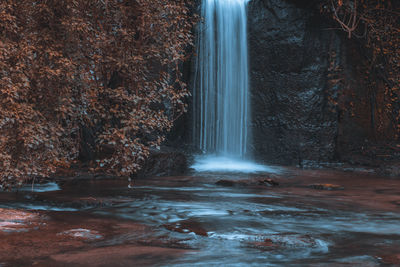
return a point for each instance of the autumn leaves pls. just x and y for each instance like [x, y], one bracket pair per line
[110, 68]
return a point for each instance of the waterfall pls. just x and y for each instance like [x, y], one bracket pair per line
[221, 92]
[220, 96]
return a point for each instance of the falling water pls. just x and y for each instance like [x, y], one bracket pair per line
[221, 90]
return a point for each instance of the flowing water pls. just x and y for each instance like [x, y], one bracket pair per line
[191, 220]
[208, 219]
[220, 97]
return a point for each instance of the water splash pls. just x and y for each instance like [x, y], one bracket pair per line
[227, 164]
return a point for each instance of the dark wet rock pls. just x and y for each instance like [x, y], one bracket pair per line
[397, 203]
[225, 183]
[294, 240]
[326, 187]
[187, 226]
[390, 259]
[289, 49]
[251, 182]
[390, 170]
[165, 241]
[164, 162]
[85, 234]
[16, 220]
[87, 202]
[290, 241]
[268, 182]
[67, 232]
[266, 244]
[308, 97]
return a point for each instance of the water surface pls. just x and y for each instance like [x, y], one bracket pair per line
[181, 221]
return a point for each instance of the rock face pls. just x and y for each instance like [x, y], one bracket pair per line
[291, 55]
[164, 162]
[309, 100]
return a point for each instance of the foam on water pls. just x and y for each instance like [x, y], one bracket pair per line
[38, 188]
[226, 164]
[45, 207]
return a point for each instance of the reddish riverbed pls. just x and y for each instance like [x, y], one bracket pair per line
[312, 218]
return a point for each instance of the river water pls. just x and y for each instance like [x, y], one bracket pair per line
[193, 220]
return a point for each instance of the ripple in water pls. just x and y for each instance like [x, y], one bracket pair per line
[39, 188]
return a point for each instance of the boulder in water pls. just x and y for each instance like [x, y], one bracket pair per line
[164, 162]
[251, 182]
[326, 187]
[187, 226]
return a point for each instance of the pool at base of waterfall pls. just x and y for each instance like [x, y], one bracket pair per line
[213, 163]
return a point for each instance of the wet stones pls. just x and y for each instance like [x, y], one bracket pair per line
[392, 259]
[82, 234]
[294, 240]
[390, 170]
[89, 202]
[266, 244]
[15, 221]
[326, 187]
[291, 241]
[226, 183]
[396, 202]
[187, 226]
[268, 182]
[264, 182]
[164, 162]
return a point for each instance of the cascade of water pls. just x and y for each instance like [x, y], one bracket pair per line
[220, 97]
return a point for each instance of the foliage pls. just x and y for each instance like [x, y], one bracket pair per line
[109, 66]
[377, 24]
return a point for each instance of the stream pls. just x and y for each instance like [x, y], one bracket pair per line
[196, 220]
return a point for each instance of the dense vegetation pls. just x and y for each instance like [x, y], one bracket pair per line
[100, 81]
[95, 79]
